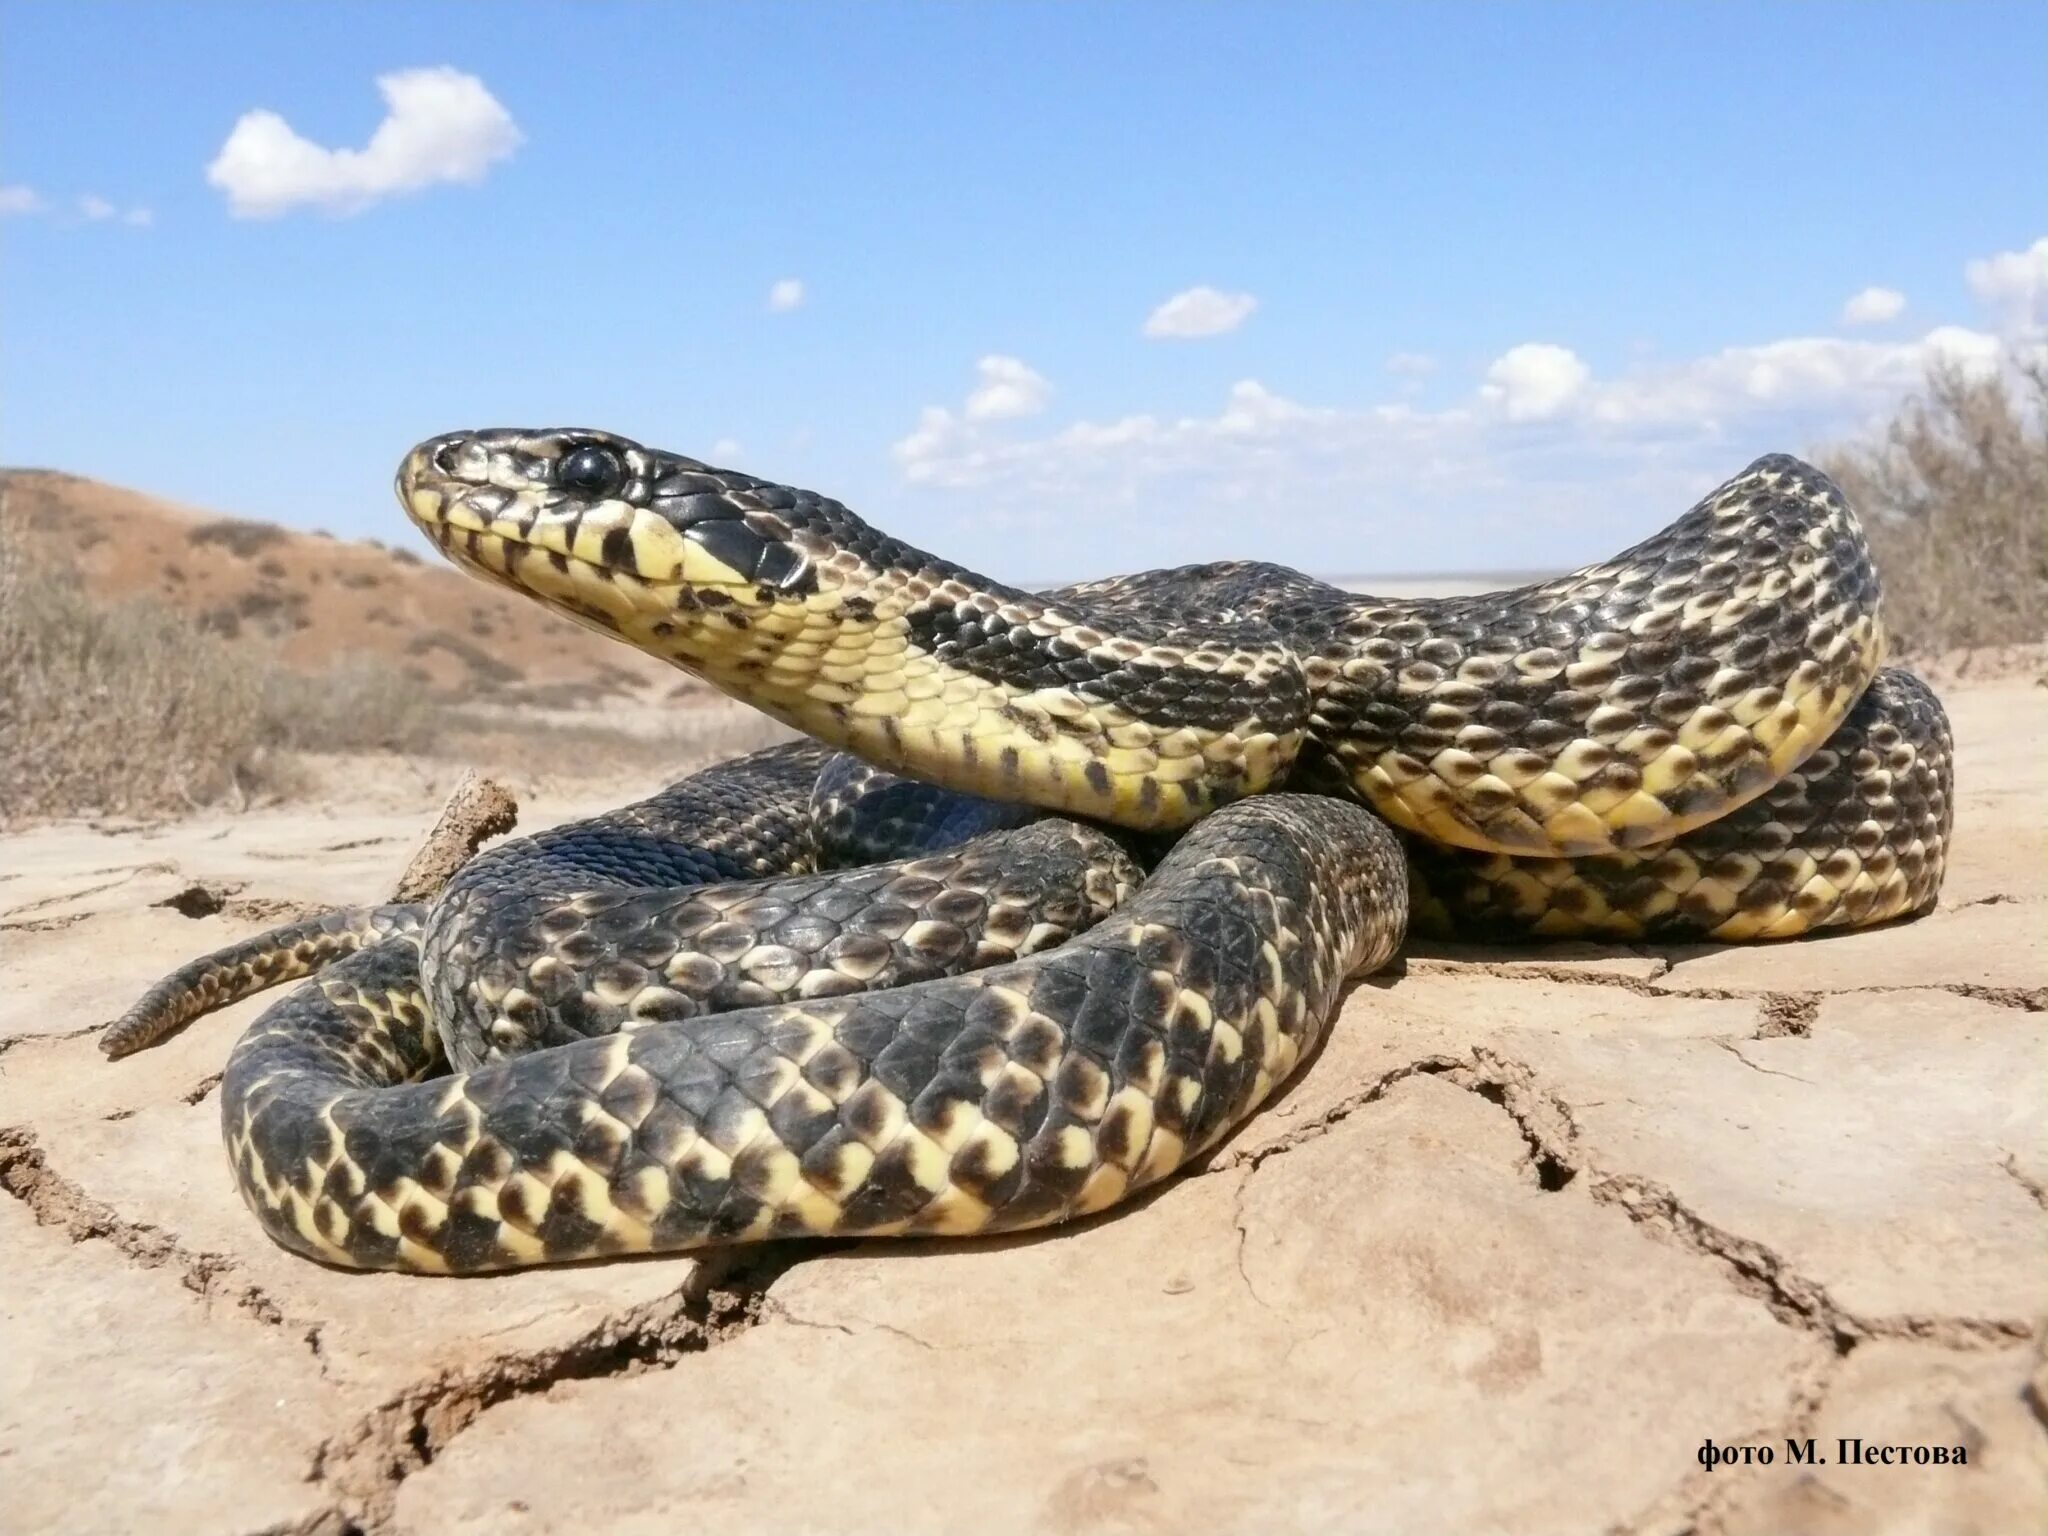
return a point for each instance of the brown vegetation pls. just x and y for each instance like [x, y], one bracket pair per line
[1954, 495]
[238, 536]
[134, 707]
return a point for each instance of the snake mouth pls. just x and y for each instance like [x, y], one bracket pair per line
[588, 520]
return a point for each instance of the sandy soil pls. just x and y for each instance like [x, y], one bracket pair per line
[1531, 1229]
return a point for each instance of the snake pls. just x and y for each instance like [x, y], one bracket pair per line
[1056, 889]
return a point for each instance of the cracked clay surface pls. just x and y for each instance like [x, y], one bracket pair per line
[1531, 1227]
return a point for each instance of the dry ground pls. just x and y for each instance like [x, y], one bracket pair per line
[1528, 1231]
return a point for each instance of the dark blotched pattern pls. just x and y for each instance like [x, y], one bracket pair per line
[1005, 1098]
[896, 1049]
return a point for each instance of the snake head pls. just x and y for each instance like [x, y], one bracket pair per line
[621, 537]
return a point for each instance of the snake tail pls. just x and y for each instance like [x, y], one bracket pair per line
[284, 953]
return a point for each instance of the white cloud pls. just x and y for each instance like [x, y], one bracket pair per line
[1873, 306]
[18, 200]
[1201, 311]
[440, 125]
[1972, 351]
[2014, 286]
[1411, 364]
[1808, 376]
[726, 451]
[1535, 381]
[931, 443]
[947, 445]
[785, 295]
[1544, 463]
[1009, 387]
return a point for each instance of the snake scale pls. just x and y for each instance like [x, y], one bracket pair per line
[1082, 886]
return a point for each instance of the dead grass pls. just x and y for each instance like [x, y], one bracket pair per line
[358, 704]
[239, 536]
[1954, 495]
[133, 708]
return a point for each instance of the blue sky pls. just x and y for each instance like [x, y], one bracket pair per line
[1488, 286]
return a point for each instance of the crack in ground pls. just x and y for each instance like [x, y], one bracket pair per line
[1787, 1013]
[47, 924]
[91, 890]
[1546, 1123]
[1251, 1158]
[55, 1201]
[1561, 972]
[2036, 1191]
[325, 1522]
[1736, 1051]
[366, 1464]
[780, 1311]
[2035, 1395]
[1700, 1499]
[9, 1042]
[1244, 1233]
[2026, 999]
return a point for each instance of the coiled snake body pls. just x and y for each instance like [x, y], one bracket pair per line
[674, 1025]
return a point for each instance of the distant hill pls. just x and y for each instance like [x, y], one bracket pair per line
[321, 598]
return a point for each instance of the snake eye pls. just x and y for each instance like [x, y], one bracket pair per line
[591, 471]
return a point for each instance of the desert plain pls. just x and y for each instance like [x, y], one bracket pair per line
[1531, 1229]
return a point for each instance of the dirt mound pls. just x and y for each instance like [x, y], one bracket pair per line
[320, 597]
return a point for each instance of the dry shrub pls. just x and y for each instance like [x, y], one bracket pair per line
[1954, 495]
[488, 672]
[551, 748]
[133, 708]
[237, 536]
[359, 704]
[117, 706]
